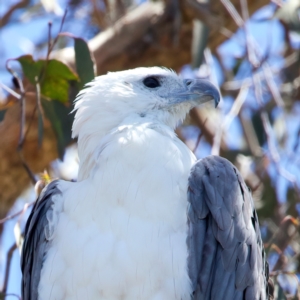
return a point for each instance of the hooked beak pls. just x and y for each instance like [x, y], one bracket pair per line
[197, 91]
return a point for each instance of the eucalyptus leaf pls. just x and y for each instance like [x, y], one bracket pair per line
[2, 114]
[61, 121]
[84, 62]
[52, 75]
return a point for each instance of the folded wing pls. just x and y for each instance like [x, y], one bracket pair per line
[226, 255]
[36, 242]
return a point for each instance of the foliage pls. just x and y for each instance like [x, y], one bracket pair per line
[52, 75]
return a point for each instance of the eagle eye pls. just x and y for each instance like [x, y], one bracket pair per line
[151, 82]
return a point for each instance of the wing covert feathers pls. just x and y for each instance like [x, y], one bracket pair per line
[226, 255]
[36, 242]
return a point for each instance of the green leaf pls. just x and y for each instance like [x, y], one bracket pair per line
[259, 128]
[61, 121]
[237, 65]
[2, 114]
[53, 76]
[55, 84]
[84, 62]
[31, 69]
[199, 43]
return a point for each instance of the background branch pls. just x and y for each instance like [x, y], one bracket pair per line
[6, 17]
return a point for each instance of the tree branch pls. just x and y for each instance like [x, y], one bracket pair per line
[6, 17]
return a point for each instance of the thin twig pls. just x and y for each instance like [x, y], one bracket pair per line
[252, 57]
[200, 135]
[268, 130]
[7, 15]
[7, 268]
[210, 62]
[272, 86]
[270, 243]
[234, 85]
[233, 12]
[26, 206]
[279, 3]
[22, 123]
[22, 104]
[250, 137]
[226, 32]
[275, 157]
[11, 295]
[49, 40]
[236, 107]
[51, 45]
[40, 111]
[245, 12]
[26, 167]
[9, 90]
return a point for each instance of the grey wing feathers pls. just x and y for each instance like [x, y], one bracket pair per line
[226, 255]
[36, 243]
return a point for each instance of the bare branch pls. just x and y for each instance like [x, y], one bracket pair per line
[5, 19]
[7, 267]
[250, 136]
[17, 213]
[272, 86]
[233, 12]
[236, 107]
[206, 126]
[50, 43]
[9, 90]
[199, 138]
[22, 104]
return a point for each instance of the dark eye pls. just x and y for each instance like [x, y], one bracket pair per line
[151, 82]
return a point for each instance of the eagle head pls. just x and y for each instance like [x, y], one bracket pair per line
[137, 95]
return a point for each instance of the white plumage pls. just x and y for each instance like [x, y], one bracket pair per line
[124, 223]
[122, 232]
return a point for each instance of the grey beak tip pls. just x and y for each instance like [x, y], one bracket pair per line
[206, 88]
[217, 100]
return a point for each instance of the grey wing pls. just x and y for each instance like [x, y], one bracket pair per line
[35, 242]
[226, 255]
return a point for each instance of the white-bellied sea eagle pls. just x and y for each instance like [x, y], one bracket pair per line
[145, 220]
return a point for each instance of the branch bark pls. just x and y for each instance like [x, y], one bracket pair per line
[6, 17]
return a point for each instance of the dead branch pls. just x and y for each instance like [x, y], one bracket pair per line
[235, 109]
[6, 17]
[7, 269]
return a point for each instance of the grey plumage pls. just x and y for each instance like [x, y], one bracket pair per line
[226, 255]
[36, 242]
